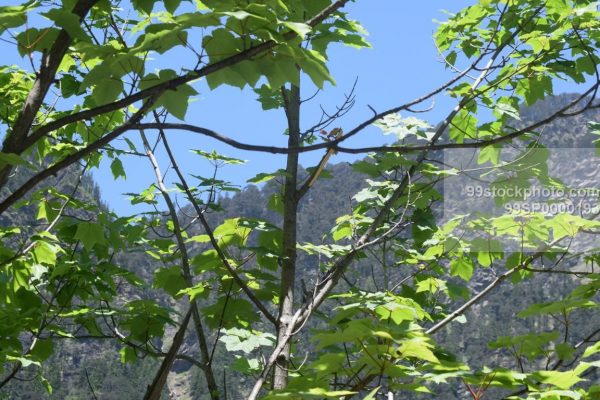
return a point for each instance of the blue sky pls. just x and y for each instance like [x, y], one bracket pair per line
[402, 64]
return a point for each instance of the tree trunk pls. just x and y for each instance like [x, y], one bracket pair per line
[185, 266]
[154, 390]
[288, 264]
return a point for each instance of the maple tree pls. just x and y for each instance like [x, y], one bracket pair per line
[89, 84]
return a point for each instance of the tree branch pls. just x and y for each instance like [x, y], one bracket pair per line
[289, 254]
[171, 84]
[315, 174]
[35, 98]
[154, 390]
[475, 299]
[73, 158]
[333, 145]
[333, 275]
[186, 272]
[207, 228]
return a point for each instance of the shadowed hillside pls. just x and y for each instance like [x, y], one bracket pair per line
[77, 366]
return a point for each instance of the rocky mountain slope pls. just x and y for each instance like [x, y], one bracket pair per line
[76, 366]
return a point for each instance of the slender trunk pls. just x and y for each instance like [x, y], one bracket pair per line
[288, 264]
[154, 390]
[185, 269]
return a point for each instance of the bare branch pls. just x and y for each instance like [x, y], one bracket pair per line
[185, 269]
[155, 388]
[475, 299]
[207, 228]
[333, 145]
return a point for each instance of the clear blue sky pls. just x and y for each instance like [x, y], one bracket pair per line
[402, 65]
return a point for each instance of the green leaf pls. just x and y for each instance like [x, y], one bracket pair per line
[246, 365]
[46, 384]
[534, 88]
[464, 125]
[560, 379]
[117, 169]
[34, 39]
[145, 319]
[300, 28]
[508, 110]
[193, 291]
[232, 233]
[591, 350]
[107, 91]
[246, 341]
[13, 16]
[530, 346]
[176, 100]
[11, 159]
[342, 231]
[176, 103]
[237, 313]
[42, 350]
[557, 307]
[269, 253]
[25, 362]
[423, 225]
[147, 196]
[128, 355]
[219, 45]
[265, 177]
[171, 5]
[314, 65]
[69, 86]
[372, 394]
[144, 6]
[270, 99]
[417, 348]
[462, 267]
[487, 250]
[565, 351]
[90, 234]
[45, 253]
[239, 15]
[329, 363]
[276, 203]
[430, 284]
[218, 158]
[206, 261]
[489, 153]
[171, 281]
[68, 21]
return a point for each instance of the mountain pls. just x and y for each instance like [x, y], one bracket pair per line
[92, 367]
